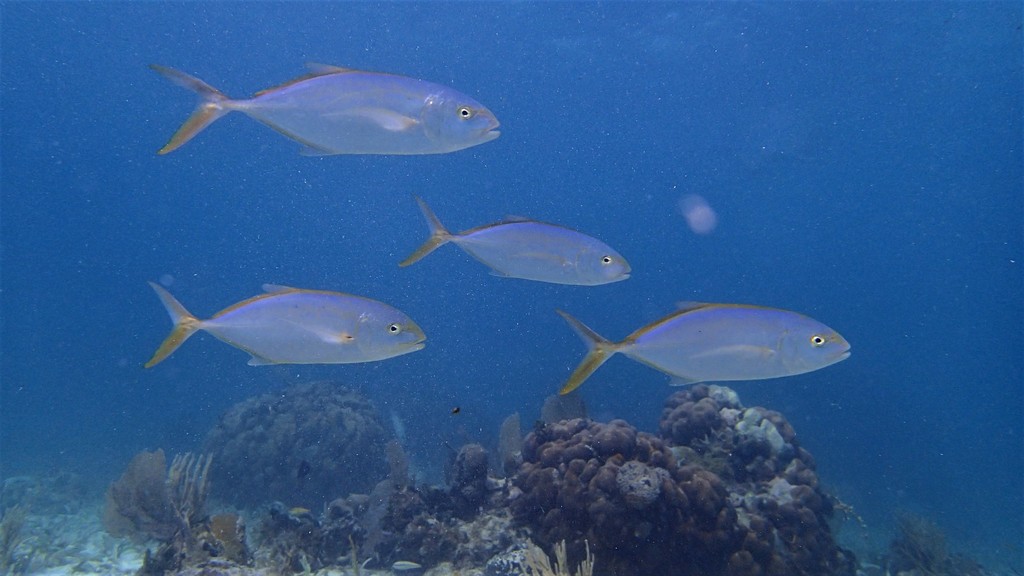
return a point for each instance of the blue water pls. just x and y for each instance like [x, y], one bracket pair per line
[864, 160]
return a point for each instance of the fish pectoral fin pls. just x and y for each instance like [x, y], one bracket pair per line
[387, 119]
[343, 338]
[740, 351]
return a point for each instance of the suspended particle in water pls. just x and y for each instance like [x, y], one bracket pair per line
[699, 215]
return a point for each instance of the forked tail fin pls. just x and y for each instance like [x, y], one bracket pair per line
[439, 236]
[599, 351]
[210, 108]
[185, 325]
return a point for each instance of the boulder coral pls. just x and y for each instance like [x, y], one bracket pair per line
[725, 490]
[306, 445]
[620, 491]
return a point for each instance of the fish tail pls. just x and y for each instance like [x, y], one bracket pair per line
[210, 108]
[599, 350]
[185, 325]
[439, 235]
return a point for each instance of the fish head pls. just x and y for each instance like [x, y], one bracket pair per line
[456, 121]
[387, 335]
[601, 264]
[815, 346]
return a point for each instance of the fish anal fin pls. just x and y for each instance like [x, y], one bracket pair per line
[260, 361]
[313, 151]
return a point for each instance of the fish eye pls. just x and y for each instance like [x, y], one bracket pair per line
[818, 340]
[394, 328]
[465, 112]
[607, 260]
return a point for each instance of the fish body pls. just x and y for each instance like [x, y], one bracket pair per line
[530, 250]
[717, 343]
[295, 326]
[342, 111]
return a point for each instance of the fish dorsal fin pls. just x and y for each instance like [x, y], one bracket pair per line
[690, 305]
[316, 70]
[275, 288]
[510, 218]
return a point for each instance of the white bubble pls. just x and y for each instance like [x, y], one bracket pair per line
[166, 280]
[700, 217]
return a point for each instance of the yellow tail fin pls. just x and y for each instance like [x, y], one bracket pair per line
[209, 109]
[599, 351]
[439, 236]
[185, 325]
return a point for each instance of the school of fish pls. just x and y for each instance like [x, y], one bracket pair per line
[334, 110]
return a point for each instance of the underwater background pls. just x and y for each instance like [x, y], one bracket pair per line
[864, 161]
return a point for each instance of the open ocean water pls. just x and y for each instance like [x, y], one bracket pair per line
[863, 160]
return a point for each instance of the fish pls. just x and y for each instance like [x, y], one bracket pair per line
[335, 110]
[289, 325]
[531, 250]
[703, 342]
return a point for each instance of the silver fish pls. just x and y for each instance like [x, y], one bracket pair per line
[295, 326]
[337, 110]
[718, 342]
[530, 250]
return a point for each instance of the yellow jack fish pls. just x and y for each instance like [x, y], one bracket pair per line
[295, 326]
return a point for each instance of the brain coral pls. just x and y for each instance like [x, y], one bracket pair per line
[305, 445]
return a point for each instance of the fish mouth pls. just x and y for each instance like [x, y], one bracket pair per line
[842, 356]
[417, 346]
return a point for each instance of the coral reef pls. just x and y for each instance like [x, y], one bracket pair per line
[307, 444]
[728, 490]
